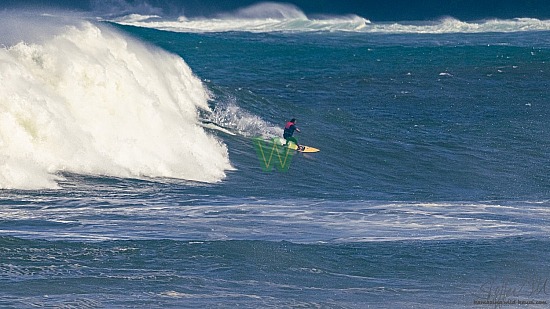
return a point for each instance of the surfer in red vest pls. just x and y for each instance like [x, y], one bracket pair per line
[290, 127]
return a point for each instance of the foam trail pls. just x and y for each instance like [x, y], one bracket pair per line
[229, 115]
[88, 99]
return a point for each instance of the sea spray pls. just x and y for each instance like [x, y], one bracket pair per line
[229, 115]
[88, 99]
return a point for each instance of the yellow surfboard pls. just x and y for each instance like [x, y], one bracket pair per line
[303, 148]
[293, 146]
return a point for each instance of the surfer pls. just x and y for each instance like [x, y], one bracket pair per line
[290, 127]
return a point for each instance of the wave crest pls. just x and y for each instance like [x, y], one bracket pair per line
[268, 10]
[262, 17]
[271, 18]
[91, 100]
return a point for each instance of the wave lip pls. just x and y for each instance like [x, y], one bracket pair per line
[90, 100]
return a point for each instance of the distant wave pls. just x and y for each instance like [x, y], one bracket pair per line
[84, 98]
[274, 17]
[452, 25]
[262, 17]
[342, 24]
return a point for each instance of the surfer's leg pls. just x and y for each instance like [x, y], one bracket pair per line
[292, 139]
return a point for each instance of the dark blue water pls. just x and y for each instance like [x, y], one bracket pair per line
[407, 117]
[430, 189]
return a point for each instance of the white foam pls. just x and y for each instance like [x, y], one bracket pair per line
[302, 221]
[352, 23]
[88, 99]
[452, 25]
[231, 116]
[299, 22]
[262, 17]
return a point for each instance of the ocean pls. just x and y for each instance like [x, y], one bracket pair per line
[129, 176]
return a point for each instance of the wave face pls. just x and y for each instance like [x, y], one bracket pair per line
[85, 98]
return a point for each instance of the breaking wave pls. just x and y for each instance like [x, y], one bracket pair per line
[84, 98]
[276, 17]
